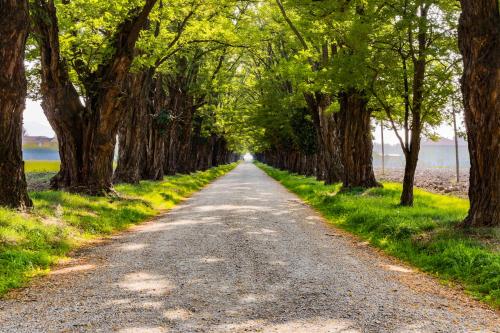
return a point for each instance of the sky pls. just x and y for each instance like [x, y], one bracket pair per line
[445, 131]
[36, 124]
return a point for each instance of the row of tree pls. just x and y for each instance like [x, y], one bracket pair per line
[182, 83]
[112, 69]
[330, 67]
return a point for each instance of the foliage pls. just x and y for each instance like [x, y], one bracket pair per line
[31, 243]
[425, 236]
[248, 70]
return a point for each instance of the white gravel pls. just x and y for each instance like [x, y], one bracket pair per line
[242, 255]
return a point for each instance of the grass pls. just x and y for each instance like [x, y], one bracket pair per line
[425, 235]
[31, 243]
[41, 166]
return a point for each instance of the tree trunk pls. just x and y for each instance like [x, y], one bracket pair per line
[132, 132]
[408, 181]
[479, 42]
[171, 149]
[86, 134]
[14, 28]
[157, 129]
[179, 129]
[411, 159]
[357, 147]
[330, 168]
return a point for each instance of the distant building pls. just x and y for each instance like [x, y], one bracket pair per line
[39, 141]
[443, 142]
[433, 154]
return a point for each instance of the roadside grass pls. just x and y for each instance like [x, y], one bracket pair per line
[31, 242]
[425, 235]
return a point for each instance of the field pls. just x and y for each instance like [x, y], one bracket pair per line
[425, 235]
[41, 166]
[31, 243]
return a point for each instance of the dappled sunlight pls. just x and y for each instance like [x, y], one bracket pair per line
[151, 305]
[133, 247]
[256, 298]
[211, 260]
[177, 314]
[143, 329]
[73, 269]
[147, 283]
[316, 325]
[210, 218]
[279, 213]
[250, 198]
[262, 231]
[278, 263]
[236, 208]
[189, 222]
[250, 298]
[396, 268]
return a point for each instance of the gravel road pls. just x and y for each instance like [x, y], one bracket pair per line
[242, 255]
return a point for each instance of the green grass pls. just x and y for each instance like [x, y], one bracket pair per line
[60, 222]
[425, 235]
[41, 166]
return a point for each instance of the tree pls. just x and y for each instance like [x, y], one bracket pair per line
[132, 135]
[479, 43]
[419, 44]
[339, 100]
[14, 27]
[329, 143]
[86, 131]
[166, 89]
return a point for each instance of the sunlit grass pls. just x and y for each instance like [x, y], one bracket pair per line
[424, 235]
[60, 221]
[41, 166]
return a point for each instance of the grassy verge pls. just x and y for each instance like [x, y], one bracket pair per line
[424, 235]
[60, 222]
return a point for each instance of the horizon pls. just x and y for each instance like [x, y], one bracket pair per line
[36, 124]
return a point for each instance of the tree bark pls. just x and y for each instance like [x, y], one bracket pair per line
[181, 106]
[357, 147]
[411, 159]
[479, 43]
[329, 162]
[86, 133]
[171, 149]
[156, 134]
[133, 129]
[14, 27]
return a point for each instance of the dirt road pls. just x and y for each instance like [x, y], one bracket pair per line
[242, 255]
